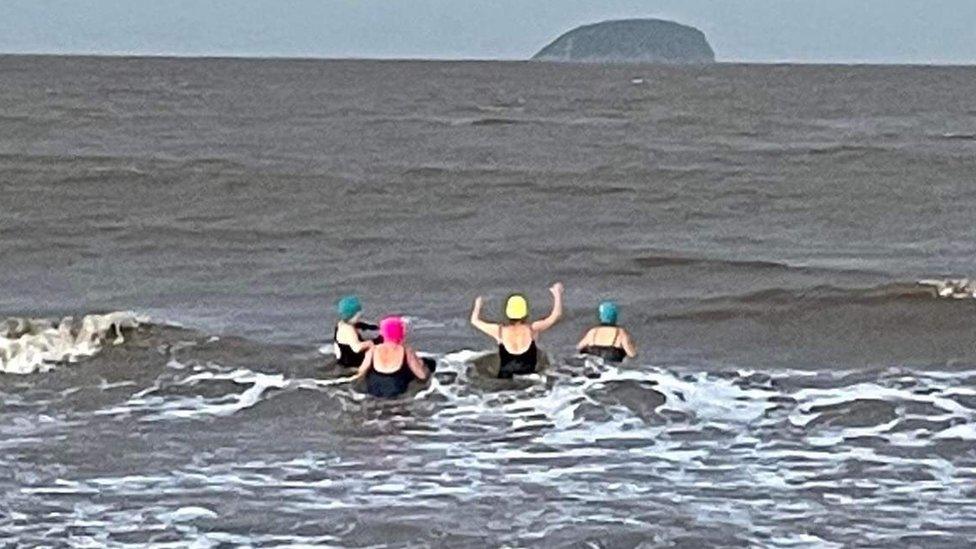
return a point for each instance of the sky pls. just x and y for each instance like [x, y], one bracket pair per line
[804, 31]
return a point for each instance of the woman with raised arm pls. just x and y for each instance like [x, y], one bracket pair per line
[389, 367]
[608, 340]
[348, 342]
[518, 351]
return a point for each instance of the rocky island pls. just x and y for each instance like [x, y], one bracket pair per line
[630, 41]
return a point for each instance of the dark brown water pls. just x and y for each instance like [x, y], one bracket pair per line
[763, 227]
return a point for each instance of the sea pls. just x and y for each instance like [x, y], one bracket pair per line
[789, 246]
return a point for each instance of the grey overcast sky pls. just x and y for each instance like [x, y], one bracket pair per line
[842, 31]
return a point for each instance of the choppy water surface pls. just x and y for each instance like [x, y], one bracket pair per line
[764, 228]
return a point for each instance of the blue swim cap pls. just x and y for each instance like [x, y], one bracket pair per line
[348, 307]
[608, 313]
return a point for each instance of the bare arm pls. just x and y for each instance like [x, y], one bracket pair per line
[364, 367]
[586, 341]
[487, 327]
[540, 326]
[416, 365]
[361, 346]
[628, 344]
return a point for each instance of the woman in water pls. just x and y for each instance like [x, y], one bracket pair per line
[518, 352]
[350, 347]
[607, 341]
[389, 367]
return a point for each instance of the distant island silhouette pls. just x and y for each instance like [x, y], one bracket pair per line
[630, 41]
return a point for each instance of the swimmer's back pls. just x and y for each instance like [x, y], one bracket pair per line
[517, 338]
[389, 358]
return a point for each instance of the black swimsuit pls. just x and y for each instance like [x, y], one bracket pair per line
[392, 385]
[511, 364]
[609, 353]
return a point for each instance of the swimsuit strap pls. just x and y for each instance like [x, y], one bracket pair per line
[616, 336]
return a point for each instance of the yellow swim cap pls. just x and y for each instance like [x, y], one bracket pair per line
[517, 308]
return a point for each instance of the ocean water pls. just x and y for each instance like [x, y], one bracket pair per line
[780, 239]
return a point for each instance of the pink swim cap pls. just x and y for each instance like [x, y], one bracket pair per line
[393, 330]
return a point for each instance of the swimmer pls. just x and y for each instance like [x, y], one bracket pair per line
[607, 341]
[389, 367]
[350, 346]
[518, 351]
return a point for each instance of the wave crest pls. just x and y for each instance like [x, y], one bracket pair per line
[29, 345]
[952, 288]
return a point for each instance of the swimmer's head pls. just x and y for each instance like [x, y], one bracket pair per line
[393, 330]
[607, 311]
[348, 307]
[516, 307]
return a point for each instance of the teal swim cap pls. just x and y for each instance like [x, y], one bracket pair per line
[348, 307]
[608, 313]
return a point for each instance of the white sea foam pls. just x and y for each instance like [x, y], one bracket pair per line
[186, 514]
[725, 438]
[663, 434]
[32, 345]
[186, 407]
[952, 288]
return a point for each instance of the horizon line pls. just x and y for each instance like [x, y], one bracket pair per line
[312, 57]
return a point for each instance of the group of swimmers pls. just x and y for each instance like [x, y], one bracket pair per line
[388, 365]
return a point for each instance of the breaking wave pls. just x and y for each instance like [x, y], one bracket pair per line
[31, 345]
